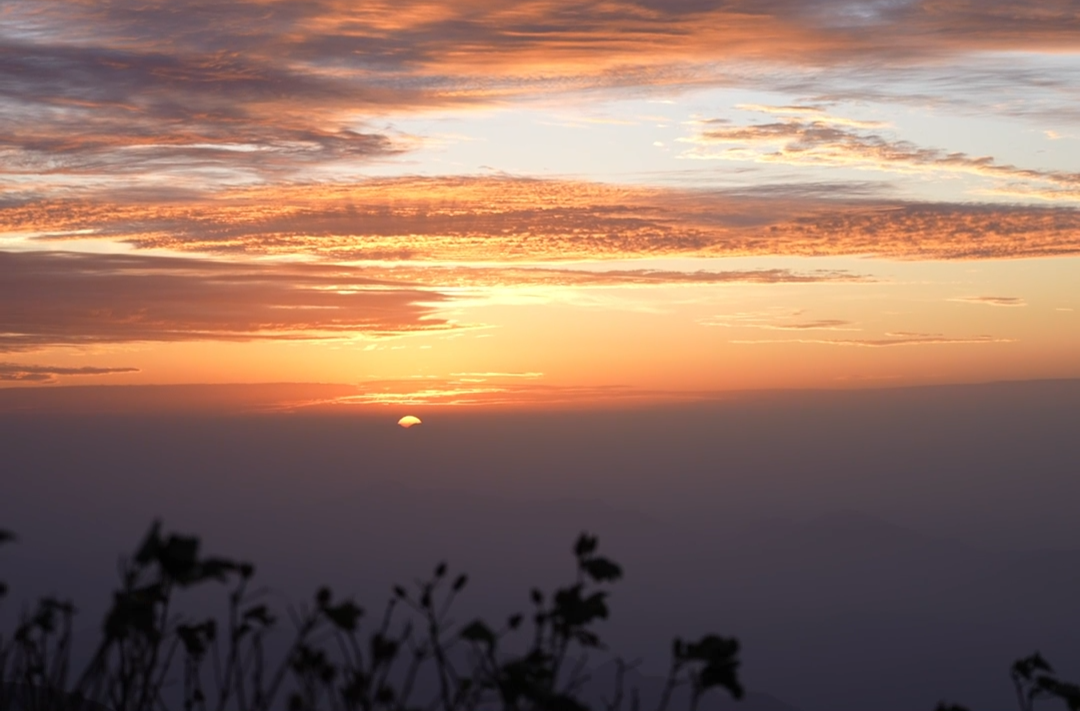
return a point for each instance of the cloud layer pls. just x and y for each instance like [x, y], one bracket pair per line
[517, 219]
[192, 91]
[70, 299]
[79, 299]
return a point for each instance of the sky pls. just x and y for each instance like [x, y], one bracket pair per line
[538, 203]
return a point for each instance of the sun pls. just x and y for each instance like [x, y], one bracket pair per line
[409, 420]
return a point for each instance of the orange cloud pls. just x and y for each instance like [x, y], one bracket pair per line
[456, 277]
[465, 219]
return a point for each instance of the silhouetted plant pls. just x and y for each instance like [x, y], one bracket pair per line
[1034, 680]
[149, 657]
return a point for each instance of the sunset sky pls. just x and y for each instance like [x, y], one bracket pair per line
[529, 203]
[780, 298]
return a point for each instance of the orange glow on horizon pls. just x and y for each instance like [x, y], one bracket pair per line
[532, 204]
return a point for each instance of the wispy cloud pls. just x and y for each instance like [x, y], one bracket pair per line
[823, 140]
[890, 340]
[780, 322]
[817, 114]
[18, 372]
[490, 392]
[991, 300]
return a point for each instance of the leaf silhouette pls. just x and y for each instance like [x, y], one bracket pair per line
[585, 545]
[602, 570]
[344, 616]
[479, 632]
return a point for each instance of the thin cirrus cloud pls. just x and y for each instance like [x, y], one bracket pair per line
[16, 372]
[509, 219]
[504, 390]
[1009, 301]
[902, 338]
[816, 114]
[807, 138]
[770, 322]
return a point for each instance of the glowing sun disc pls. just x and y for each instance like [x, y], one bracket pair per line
[409, 420]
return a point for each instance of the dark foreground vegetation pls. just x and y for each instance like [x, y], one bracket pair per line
[409, 655]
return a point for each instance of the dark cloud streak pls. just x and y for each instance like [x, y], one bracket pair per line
[70, 299]
[17, 372]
